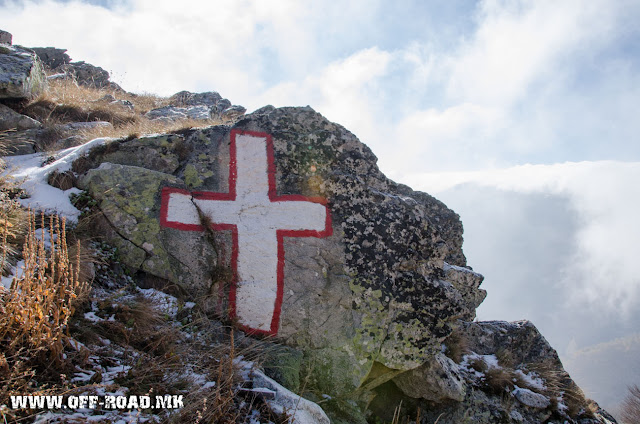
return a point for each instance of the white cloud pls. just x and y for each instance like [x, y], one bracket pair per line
[604, 195]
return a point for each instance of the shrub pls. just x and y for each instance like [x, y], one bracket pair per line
[631, 406]
[35, 310]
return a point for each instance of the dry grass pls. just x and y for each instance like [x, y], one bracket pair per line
[631, 406]
[35, 310]
[559, 386]
[145, 126]
[67, 92]
[457, 345]
[66, 102]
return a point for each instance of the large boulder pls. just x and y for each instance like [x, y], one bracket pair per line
[368, 278]
[21, 73]
[283, 226]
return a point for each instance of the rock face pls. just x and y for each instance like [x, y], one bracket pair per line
[21, 73]
[199, 106]
[5, 37]
[378, 289]
[86, 74]
[284, 226]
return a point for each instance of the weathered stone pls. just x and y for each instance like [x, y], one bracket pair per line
[186, 98]
[531, 399]
[368, 303]
[218, 107]
[73, 127]
[10, 119]
[374, 291]
[5, 37]
[128, 199]
[233, 112]
[52, 57]
[521, 340]
[16, 143]
[172, 113]
[437, 380]
[21, 73]
[299, 409]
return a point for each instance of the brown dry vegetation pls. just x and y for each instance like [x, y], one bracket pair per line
[35, 310]
[631, 406]
[64, 102]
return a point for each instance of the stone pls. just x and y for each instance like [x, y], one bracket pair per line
[233, 112]
[361, 280]
[172, 113]
[52, 57]
[16, 143]
[74, 127]
[5, 37]
[521, 340]
[531, 399]
[437, 380]
[299, 409]
[187, 98]
[218, 106]
[375, 290]
[10, 119]
[21, 73]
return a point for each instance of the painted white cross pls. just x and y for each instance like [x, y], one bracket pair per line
[258, 220]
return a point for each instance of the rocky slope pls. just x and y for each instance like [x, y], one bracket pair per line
[280, 224]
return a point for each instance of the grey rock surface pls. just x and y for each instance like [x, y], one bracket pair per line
[52, 57]
[531, 399]
[218, 106]
[10, 119]
[21, 73]
[5, 37]
[173, 113]
[438, 380]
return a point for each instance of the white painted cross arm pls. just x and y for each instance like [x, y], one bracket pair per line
[258, 220]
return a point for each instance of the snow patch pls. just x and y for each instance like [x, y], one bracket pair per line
[32, 174]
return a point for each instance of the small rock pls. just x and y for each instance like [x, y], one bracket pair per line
[173, 113]
[107, 98]
[82, 126]
[10, 119]
[52, 57]
[531, 399]
[186, 98]
[233, 112]
[437, 381]
[5, 37]
[65, 143]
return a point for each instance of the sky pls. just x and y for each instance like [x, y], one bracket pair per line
[520, 115]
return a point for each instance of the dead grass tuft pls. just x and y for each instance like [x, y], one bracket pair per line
[631, 406]
[35, 310]
[457, 345]
[144, 126]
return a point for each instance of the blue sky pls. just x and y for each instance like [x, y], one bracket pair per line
[520, 115]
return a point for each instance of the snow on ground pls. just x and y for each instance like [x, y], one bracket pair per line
[31, 172]
[16, 272]
[163, 302]
[532, 379]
